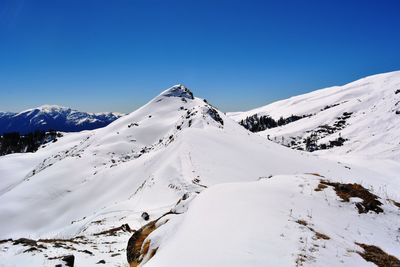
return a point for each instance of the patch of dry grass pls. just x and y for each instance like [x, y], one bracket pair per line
[318, 235]
[302, 222]
[114, 231]
[378, 256]
[320, 187]
[346, 191]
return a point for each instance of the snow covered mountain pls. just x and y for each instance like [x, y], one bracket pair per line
[216, 195]
[52, 117]
[359, 119]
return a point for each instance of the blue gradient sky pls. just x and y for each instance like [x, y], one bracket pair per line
[116, 55]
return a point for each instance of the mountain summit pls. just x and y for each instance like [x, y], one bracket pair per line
[178, 90]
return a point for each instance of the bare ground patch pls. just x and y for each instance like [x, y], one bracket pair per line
[138, 247]
[114, 231]
[378, 256]
[369, 202]
[318, 235]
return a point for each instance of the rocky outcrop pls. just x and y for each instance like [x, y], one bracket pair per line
[139, 249]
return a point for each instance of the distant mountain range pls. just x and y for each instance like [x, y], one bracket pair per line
[52, 117]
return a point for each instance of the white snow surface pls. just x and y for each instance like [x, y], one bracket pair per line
[372, 130]
[246, 192]
[256, 224]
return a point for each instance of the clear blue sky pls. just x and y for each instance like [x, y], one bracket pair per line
[116, 55]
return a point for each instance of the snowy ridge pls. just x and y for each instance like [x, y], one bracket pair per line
[226, 196]
[365, 113]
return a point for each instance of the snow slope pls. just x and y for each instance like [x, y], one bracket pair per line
[52, 117]
[280, 221]
[86, 183]
[371, 130]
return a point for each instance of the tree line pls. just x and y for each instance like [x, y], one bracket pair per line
[16, 143]
[255, 123]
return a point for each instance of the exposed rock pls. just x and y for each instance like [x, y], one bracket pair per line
[69, 260]
[25, 242]
[134, 251]
[215, 116]
[32, 249]
[28, 242]
[138, 247]
[179, 91]
[86, 251]
[5, 240]
[185, 196]
[145, 216]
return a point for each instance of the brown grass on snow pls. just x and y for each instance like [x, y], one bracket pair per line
[346, 191]
[378, 256]
[318, 235]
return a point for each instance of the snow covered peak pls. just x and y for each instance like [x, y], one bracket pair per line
[47, 108]
[178, 90]
[53, 117]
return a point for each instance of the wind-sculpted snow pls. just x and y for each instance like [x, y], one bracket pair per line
[85, 194]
